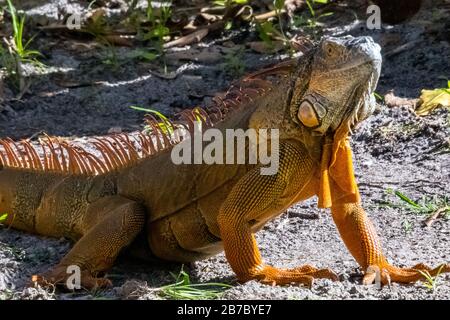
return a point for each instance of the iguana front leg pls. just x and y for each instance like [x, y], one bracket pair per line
[109, 225]
[256, 197]
[360, 237]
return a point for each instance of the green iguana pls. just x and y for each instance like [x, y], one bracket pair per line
[126, 189]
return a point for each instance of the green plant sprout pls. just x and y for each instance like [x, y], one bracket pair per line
[21, 48]
[183, 289]
[3, 217]
[431, 282]
[165, 125]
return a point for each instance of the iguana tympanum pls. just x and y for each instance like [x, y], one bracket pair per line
[127, 189]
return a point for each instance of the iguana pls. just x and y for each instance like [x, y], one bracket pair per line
[124, 190]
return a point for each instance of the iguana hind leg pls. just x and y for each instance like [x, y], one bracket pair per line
[359, 235]
[110, 224]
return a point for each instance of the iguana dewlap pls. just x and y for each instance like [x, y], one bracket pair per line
[130, 192]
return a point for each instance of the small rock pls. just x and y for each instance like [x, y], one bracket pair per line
[113, 130]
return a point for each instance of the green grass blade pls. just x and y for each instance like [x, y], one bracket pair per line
[19, 38]
[311, 10]
[159, 114]
[12, 11]
[165, 125]
[407, 200]
[3, 217]
[184, 289]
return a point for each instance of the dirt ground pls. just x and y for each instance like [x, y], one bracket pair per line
[81, 94]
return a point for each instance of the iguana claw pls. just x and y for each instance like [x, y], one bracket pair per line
[385, 273]
[304, 275]
[62, 278]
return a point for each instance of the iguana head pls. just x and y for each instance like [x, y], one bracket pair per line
[339, 93]
[341, 74]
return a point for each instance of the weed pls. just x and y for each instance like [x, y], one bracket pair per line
[311, 20]
[279, 5]
[17, 50]
[267, 31]
[228, 3]
[183, 289]
[234, 64]
[378, 97]
[3, 217]
[165, 124]
[21, 48]
[426, 206]
[158, 18]
[97, 26]
[110, 57]
[431, 282]
[6, 294]
[407, 226]
[153, 28]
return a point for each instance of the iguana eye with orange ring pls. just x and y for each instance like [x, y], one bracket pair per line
[307, 115]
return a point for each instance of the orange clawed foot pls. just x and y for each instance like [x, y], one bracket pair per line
[304, 275]
[70, 280]
[385, 273]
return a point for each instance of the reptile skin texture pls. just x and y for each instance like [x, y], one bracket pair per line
[129, 195]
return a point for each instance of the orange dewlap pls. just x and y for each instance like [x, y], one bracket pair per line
[337, 178]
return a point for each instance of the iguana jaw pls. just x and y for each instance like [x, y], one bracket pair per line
[364, 106]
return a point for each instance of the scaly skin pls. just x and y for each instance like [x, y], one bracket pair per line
[190, 212]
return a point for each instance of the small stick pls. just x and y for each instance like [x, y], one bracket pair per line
[401, 48]
[268, 15]
[193, 37]
[436, 214]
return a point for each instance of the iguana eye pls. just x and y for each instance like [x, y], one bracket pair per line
[307, 115]
[329, 48]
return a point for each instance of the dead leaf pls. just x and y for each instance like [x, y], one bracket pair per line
[293, 5]
[431, 99]
[210, 17]
[392, 100]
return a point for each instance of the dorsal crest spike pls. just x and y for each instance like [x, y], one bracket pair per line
[117, 151]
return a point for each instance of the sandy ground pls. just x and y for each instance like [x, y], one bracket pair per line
[394, 150]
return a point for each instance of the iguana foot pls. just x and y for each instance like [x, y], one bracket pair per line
[304, 275]
[61, 277]
[386, 273]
